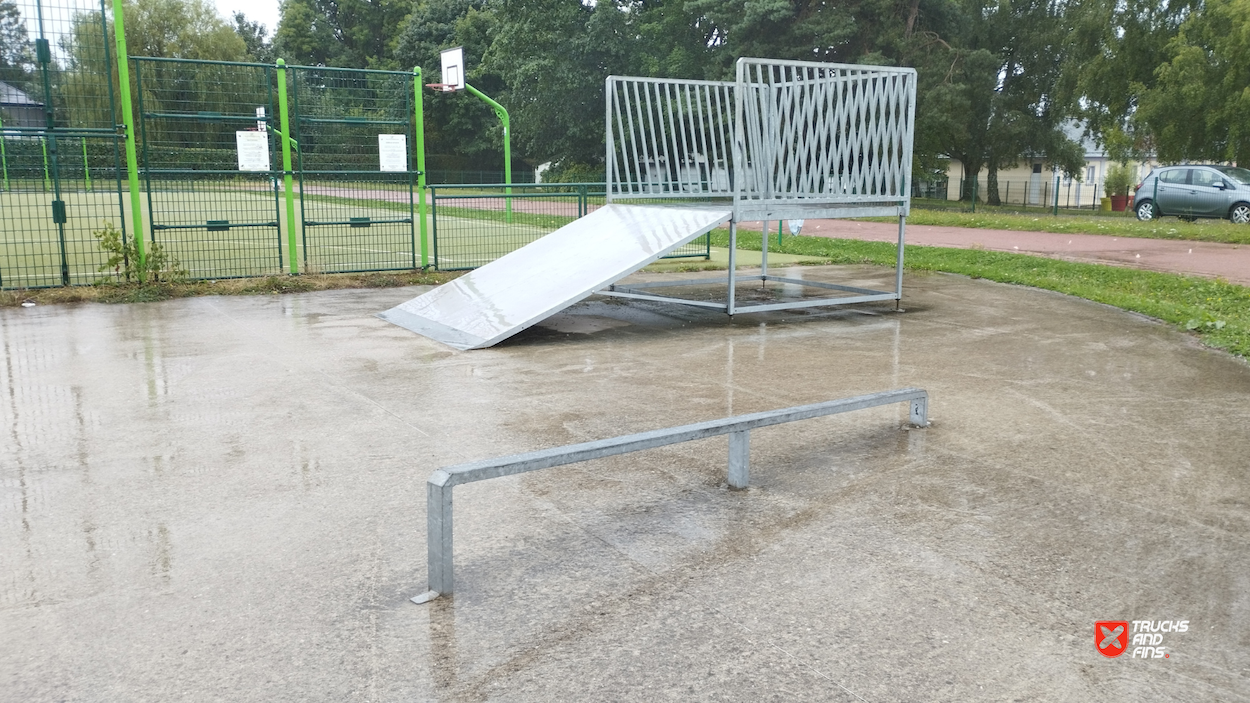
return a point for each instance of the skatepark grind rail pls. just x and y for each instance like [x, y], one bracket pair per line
[441, 482]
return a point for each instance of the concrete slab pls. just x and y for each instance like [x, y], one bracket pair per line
[223, 498]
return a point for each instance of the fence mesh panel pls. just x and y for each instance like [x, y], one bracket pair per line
[218, 220]
[59, 148]
[356, 216]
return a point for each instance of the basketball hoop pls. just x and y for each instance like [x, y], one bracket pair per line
[443, 87]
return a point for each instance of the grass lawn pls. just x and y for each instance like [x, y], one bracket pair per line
[1119, 226]
[1217, 311]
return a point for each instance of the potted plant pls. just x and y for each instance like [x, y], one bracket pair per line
[1118, 182]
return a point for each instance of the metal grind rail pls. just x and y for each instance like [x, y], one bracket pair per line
[441, 482]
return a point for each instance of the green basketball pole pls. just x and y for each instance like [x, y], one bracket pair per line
[287, 187]
[419, 145]
[507, 150]
[128, 117]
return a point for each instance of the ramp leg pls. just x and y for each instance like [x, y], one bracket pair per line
[739, 459]
[733, 264]
[898, 266]
[764, 254]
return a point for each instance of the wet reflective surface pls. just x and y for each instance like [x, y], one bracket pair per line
[223, 498]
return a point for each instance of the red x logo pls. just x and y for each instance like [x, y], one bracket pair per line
[1111, 637]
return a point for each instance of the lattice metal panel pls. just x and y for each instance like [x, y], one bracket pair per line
[669, 139]
[814, 134]
[789, 139]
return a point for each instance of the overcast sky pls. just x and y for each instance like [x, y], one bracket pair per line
[263, 11]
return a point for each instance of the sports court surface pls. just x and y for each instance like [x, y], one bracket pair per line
[223, 499]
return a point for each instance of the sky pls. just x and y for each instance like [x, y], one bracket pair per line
[263, 11]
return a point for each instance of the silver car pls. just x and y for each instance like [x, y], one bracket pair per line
[1190, 192]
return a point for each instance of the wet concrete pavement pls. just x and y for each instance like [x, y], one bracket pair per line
[223, 498]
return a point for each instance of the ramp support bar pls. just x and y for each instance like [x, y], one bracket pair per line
[441, 482]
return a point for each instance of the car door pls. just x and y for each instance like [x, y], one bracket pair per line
[1206, 189]
[1173, 192]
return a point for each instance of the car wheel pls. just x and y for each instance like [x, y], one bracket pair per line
[1240, 213]
[1145, 211]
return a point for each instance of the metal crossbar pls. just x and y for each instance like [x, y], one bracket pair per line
[440, 484]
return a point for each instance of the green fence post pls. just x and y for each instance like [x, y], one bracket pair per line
[86, 168]
[47, 182]
[1056, 213]
[128, 119]
[975, 182]
[419, 145]
[287, 188]
[4, 159]
[507, 149]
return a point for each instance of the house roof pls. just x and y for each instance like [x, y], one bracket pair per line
[11, 96]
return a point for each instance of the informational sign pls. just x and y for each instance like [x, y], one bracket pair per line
[393, 152]
[253, 150]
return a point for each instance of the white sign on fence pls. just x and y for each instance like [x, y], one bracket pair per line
[393, 152]
[253, 150]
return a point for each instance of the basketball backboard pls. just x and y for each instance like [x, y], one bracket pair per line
[453, 69]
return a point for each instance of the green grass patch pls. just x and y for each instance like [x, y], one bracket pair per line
[1218, 311]
[1120, 226]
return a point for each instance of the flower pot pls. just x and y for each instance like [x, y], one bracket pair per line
[1104, 204]
[1119, 203]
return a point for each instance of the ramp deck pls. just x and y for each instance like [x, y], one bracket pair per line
[498, 300]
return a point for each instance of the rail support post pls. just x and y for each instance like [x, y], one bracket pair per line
[919, 414]
[438, 537]
[739, 459]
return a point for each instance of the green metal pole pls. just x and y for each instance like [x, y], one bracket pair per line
[128, 118]
[86, 168]
[507, 148]
[4, 159]
[1056, 211]
[287, 188]
[47, 182]
[419, 145]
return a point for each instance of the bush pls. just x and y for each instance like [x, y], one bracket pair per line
[1120, 179]
[568, 172]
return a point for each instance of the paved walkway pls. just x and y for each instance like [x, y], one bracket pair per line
[1228, 261]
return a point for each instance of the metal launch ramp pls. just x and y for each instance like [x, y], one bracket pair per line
[498, 300]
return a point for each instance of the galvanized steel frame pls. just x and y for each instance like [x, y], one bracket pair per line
[440, 484]
[786, 140]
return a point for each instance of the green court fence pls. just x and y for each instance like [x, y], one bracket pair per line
[472, 225]
[60, 149]
[219, 221]
[355, 216]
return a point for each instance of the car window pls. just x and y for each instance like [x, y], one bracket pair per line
[1203, 177]
[1176, 175]
[1240, 175]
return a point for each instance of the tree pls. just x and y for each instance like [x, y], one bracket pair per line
[996, 100]
[342, 33]
[181, 29]
[1199, 107]
[553, 56]
[255, 37]
[16, 55]
[1113, 50]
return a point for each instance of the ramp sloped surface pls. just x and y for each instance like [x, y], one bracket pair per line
[498, 300]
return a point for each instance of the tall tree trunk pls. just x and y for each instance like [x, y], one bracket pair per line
[970, 182]
[911, 18]
[991, 185]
